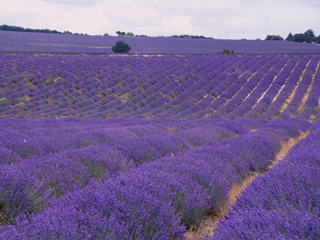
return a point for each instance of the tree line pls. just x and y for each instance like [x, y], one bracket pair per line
[130, 34]
[308, 37]
[21, 29]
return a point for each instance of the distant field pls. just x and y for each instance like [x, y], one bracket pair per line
[24, 42]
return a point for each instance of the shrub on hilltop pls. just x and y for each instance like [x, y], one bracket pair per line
[274, 37]
[121, 47]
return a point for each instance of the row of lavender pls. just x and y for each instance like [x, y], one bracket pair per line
[59, 156]
[282, 204]
[155, 199]
[15, 42]
[147, 87]
[24, 139]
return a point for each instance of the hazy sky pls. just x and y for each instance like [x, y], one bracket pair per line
[223, 19]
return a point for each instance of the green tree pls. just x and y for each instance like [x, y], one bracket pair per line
[274, 37]
[228, 52]
[316, 39]
[120, 34]
[299, 37]
[121, 47]
[290, 37]
[308, 36]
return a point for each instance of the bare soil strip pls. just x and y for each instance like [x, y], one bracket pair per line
[251, 76]
[207, 225]
[234, 70]
[264, 93]
[306, 95]
[313, 116]
[248, 79]
[280, 90]
[289, 99]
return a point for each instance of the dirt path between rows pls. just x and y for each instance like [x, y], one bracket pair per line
[294, 90]
[209, 223]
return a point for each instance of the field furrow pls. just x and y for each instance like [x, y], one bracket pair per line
[246, 91]
[208, 225]
[266, 199]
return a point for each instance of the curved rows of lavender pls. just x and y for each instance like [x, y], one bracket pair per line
[133, 147]
[24, 42]
[282, 204]
[115, 180]
[186, 87]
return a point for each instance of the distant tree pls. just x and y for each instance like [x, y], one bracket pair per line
[121, 47]
[299, 37]
[130, 34]
[274, 37]
[106, 34]
[308, 36]
[120, 34]
[228, 52]
[190, 36]
[21, 29]
[289, 37]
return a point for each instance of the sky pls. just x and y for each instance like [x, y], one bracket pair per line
[220, 19]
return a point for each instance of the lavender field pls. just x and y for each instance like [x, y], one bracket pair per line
[186, 87]
[24, 42]
[146, 147]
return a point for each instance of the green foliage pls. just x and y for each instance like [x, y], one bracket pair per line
[274, 37]
[289, 37]
[51, 79]
[190, 36]
[316, 39]
[298, 37]
[21, 29]
[127, 96]
[120, 34]
[121, 47]
[3, 99]
[228, 52]
[308, 37]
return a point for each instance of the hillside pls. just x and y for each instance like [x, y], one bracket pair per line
[185, 87]
[24, 42]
